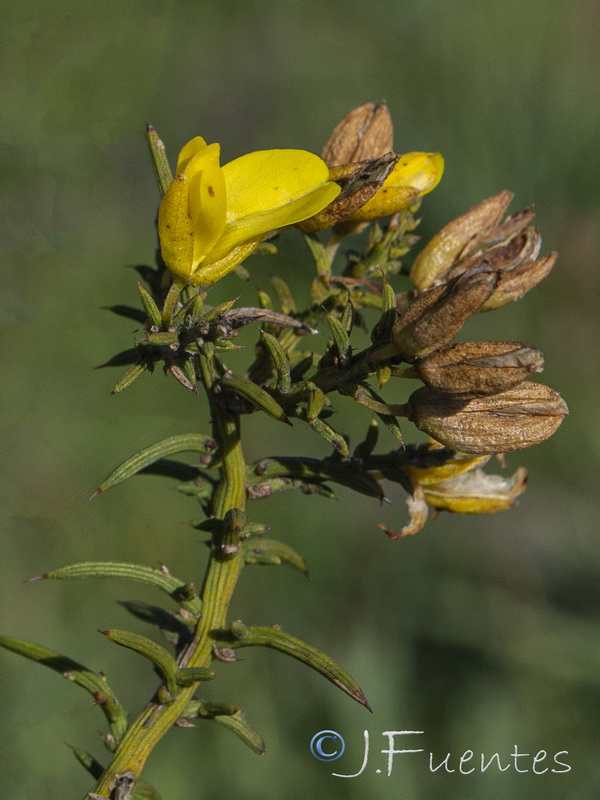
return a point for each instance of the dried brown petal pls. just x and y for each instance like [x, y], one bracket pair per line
[471, 368]
[511, 420]
[438, 314]
[514, 283]
[439, 254]
[362, 135]
[525, 246]
[359, 183]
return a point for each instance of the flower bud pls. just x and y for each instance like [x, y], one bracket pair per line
[471, 368]
[366, 133]
[511, 420]
[438, 314]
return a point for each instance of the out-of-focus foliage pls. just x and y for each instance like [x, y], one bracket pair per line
[483, 632]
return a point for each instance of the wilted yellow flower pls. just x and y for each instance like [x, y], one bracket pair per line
[414, 175]
[459, 485]
[211, 217]
[362, 143]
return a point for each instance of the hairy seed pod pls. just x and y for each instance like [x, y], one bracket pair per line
[511, 420]
[474, 368]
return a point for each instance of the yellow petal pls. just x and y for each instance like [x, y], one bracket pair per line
[206, 273]
[175, 229]
[477, 493]
[208, 199]
[187, 153]
[270, 189]
[414, 175]
[450, 469]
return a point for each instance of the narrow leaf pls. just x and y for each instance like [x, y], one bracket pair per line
[272, 637]
[318, 252]
[341, 339]
[93, 683]
[130, 376]
[188, 675]
[238, 725]
[366, 447]
[315, 402]
[257, 549]
[284, 296]
[162, 170]
[229, 717]
[346, 473]
[257, 396]
[280, 360]
[182, 593]
[93, 766]
[193, 442]
[161, 658]
[151, 308]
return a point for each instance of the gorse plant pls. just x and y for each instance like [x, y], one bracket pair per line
[476, 399]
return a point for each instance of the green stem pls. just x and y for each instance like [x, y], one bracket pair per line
[219, 583]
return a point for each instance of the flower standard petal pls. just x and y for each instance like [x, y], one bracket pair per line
[271, 189]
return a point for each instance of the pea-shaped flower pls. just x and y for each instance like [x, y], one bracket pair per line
[211, 217]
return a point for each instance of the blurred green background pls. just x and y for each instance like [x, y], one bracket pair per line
[482, 632]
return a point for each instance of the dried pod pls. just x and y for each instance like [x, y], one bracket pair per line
[365, 133]
[511, 420]
[471, 368]
[438, 256]
[438, 314]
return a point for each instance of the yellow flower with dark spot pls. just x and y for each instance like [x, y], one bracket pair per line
[211, 217]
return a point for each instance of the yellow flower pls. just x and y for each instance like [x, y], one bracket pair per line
[414, 175]
[211, 217]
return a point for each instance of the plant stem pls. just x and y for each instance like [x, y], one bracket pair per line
[219, 583]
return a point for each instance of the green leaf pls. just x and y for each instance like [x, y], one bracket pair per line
[162, 170]
[258, 550]
[284, 296]
[93, 766]
[318, 252]
[257, 396]
[229, 717]
[161, 658]
[341, 339]
[382, 330]
[315, 402]
[150, 306]
[193, 442]
[93, 683]
[280, 360]
[368, 445]
[183, 593]
[188, 675]
[256, 635]
[313, 470]
[130, 376]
